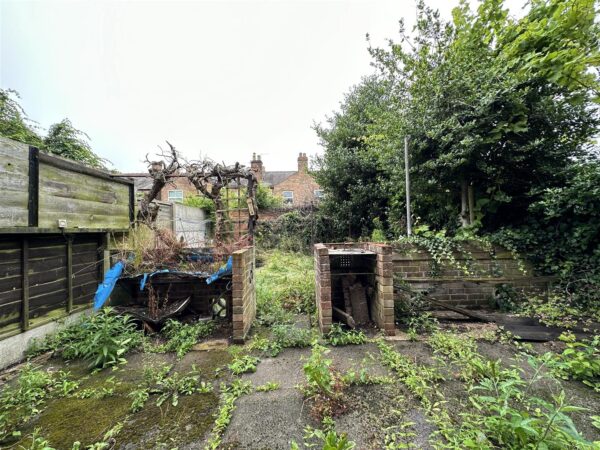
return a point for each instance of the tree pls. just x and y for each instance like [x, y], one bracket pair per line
[67, 141]
[14, 123]
[497, 111]
[352, 176]
[62, 138]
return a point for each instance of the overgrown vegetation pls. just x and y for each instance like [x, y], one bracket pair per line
[27, 397]
[284, 286]
[504, 413]
[157, 381]
[102, 339]
[340, 336]
[229, 394]
[500, 114]
[181, 337]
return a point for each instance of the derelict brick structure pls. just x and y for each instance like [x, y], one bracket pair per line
[244, 293]
[447, 283]
[343, 269]
[55, 217]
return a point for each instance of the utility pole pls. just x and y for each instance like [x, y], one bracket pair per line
[406, 168]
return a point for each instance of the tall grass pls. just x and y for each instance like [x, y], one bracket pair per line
[284, 285]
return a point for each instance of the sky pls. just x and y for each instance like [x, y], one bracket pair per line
[218, 79]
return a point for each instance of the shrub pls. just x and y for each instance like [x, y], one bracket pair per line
[102, 339]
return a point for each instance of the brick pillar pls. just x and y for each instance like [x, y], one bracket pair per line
[323, 287]
[244, 293]
[382, 306]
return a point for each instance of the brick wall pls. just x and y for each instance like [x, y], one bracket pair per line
[382, 308]
[323, 287]
[382, 301]
[244, 293]
[177, 184]
[451, 285]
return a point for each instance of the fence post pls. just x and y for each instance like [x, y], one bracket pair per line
[25, 284]
[33, 188]
[69, 274]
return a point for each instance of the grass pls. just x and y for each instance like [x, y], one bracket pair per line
[284, 286]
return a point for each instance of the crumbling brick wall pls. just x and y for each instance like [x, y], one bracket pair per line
[449, 284]
[244, 293]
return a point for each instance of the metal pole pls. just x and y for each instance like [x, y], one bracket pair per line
[406, 168]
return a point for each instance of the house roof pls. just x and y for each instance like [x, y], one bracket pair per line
[141, 181]
[275, 177]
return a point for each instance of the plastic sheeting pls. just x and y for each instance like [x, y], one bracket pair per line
[108, 284]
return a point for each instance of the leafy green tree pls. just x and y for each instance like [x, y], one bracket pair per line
[62, 138]
[67, 141]
[494, 105]
[355, 182]
[14, 123]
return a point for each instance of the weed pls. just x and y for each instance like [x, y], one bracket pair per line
[139, 398]
[108, 440]
[324, 385]
[98, 393]
[243, 364]
[288, 336]
[33, 387]
[364, 378]
[181, 337]
[102, 339]
[229, 394]
[579, 361]
[339, 336]
[267, 387]
[157, 381]
[325, 438]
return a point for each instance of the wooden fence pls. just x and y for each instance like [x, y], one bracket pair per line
[187, 222]
[55, 218]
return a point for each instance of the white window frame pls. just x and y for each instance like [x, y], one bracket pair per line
[288, 199]
[178, 199]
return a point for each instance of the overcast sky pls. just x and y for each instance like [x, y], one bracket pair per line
[219, 79]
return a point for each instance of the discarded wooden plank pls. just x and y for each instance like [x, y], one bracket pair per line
[344, 317]
[463, 311]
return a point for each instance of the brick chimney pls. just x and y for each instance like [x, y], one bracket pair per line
[257, 167]
[302, 162]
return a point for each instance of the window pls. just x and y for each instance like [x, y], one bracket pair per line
[176, 196]
[288, 197]
[318, 194]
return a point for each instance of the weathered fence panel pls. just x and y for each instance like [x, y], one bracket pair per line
[14, 182]
[46, 277]
[103, 203]
[187, 222]
[50, 270]
[40, 189]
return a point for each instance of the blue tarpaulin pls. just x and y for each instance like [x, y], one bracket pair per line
[106, 287]
[225, 270]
